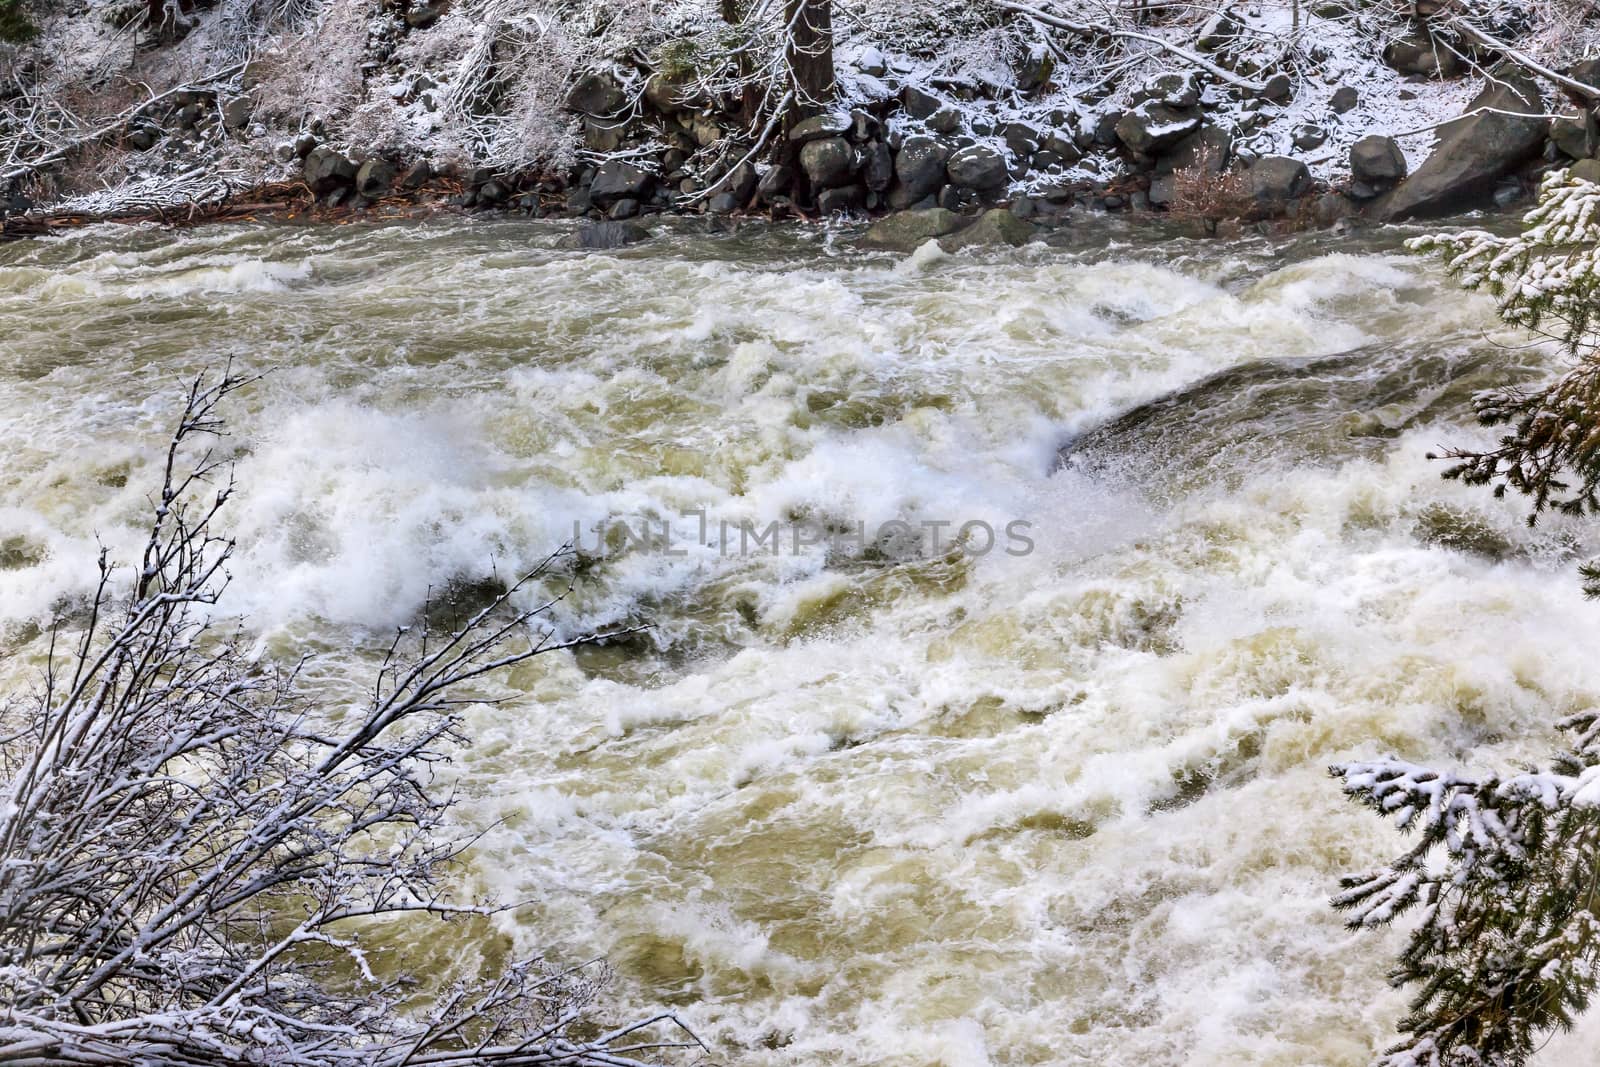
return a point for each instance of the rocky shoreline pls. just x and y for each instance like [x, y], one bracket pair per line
[943, 159]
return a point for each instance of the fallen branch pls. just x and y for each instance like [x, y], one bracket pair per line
[117, 124]
[1088, 30]
[1588, 92]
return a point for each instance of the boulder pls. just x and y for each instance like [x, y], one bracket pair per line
[1377, 162]
[1571, 135]
[375, 178]
[919, 104]
[623, 209]
[879, 168]
[602, 136]
[777, 182]
[995, 227]
[742, 183]
[620, 181]
[978, 167]
[920, 166]
[1279, 89]
[596, 93]
[670, 95]
[327, 169]
[236, 112]
[840, 200]
[1474, 151]
[416, 176]
[601, 235]
[1210, 145]
[1419, 54]
[1219, 32]
[946, 120]
[1153, 126]
[1277, 179]
[1180, 91]
[1309, 136]
[1345, 99]
[1586, 170]
[828, 162]
[905, 231]
[832, 124]
[722, 204]
[421, 16]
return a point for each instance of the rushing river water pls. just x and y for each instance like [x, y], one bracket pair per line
[1059, 806]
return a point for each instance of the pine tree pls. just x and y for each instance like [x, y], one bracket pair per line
[1504, 873]
[1546, 279]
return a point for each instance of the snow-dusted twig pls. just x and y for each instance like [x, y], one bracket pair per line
[186, 839]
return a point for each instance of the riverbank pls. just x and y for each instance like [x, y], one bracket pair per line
[1244, 114]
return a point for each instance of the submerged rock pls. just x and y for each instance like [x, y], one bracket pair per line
[996, 227]
[905, 231]
[603, 235]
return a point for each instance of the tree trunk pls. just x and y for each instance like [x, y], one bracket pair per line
[809, 50]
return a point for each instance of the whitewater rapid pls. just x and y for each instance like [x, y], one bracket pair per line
[1068, 806]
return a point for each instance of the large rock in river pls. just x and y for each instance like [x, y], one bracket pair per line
[905, 231]
[996, 227]
[1502, 129]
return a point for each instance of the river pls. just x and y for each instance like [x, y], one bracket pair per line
[1060, 801]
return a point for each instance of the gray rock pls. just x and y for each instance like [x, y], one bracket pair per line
[623, 209]
[1571, 135]
[1474, 151]
[620, 181]
[946, 120]
[1162, 190]
[1179, 90]
[1211, 145]
[777, 182]
[493, 193]
[1220, 31]
[920, 166]
[1330, 208]
[828, 162]
[1035, 70]
[1345, 99]
[375, 178]
[1153, 126]
[596, 93]
[841, 200]
[919, 104]
[833, 124]
[1277, 179]
[742, 183]
[722, 204]
[878, 172]
[327, 169]
[1376, 162]
[602, 135]
[236, 112]
[1309, 137]
[1418, 54]
[995, 227]
[421, 16]
[1587, 170]
[670, 95]
[143, 137]
[978, 167]
[416, 176]
[905, 231]
[602, 235]
[1021, 139]
[1279, 89]
[303, 145]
